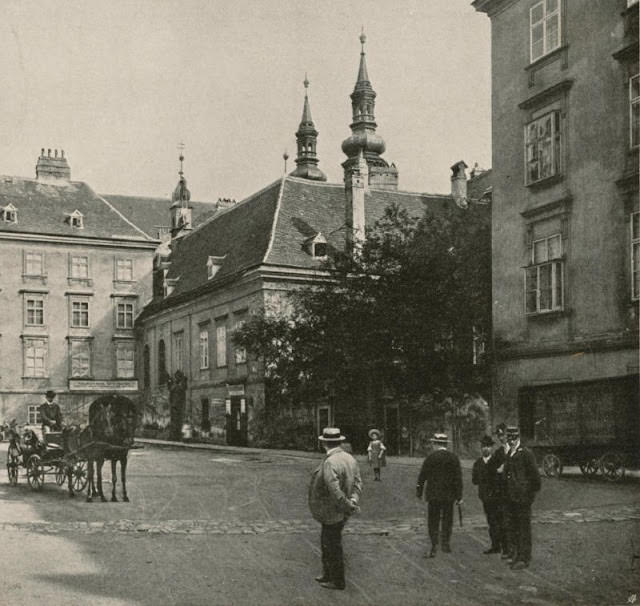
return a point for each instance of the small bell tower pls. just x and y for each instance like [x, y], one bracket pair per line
[181, 210]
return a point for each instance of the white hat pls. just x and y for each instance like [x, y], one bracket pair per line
[331, 434]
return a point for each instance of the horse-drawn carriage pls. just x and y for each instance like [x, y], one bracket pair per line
[76, 452]
[595, 427]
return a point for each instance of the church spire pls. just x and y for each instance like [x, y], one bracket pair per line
[307, 138]
[363, 132]
[180, 208]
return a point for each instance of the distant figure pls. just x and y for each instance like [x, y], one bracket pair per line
[523, 482]
[50, 414]
[442, 474]
[376, 452]
[485, 477]
[498, 460]
[334, 494]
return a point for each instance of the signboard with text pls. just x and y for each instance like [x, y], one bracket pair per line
[114, 385]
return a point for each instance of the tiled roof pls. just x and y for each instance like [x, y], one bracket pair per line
[240, 235]
[311, 207]
[152, 214]
[43, 207]
[271, 227]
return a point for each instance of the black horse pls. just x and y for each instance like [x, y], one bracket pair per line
[109, 436]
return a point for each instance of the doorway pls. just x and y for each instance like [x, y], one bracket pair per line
[237, 421]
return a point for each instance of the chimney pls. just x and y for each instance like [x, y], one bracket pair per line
[356, 185]
[52, 167]
[459, 184]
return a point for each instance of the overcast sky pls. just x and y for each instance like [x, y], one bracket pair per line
[119, 84]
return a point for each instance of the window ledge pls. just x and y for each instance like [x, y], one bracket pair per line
[546, 182]
[550, 57]
[549, 315]
[80, 282]
[33, 278]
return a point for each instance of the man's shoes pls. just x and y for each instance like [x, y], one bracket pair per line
[519, 565]
[505, 556]
[432, 553]
[491, 550]
[331, 585]
[322, 579]
[446, 549]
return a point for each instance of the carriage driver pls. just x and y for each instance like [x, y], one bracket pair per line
[50, 414]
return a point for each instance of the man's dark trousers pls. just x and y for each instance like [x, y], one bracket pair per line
[332, 559]
[494, 513]
[440, 510]
[519, 527]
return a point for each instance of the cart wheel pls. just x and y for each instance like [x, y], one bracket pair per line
[590, 468]
[552, 466]
[612, 466]
[35, 472]
[79, 476]
[61, 474]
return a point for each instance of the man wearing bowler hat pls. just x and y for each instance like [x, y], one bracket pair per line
[523, 482]
[442, 475]
[50, 414]
[334, 494]
[485, 477]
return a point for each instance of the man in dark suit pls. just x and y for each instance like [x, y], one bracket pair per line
[498, 460]
[441, 474]
[485, 477]
[523, 482]
[50, 414]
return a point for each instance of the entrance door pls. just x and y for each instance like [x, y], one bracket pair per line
[392, 434]
[237, 421]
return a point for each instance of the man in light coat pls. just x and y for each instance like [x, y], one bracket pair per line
[334, 494]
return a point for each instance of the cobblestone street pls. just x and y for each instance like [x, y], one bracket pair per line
[232, 527]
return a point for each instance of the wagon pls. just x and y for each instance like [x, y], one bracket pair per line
[42, 458]
[593, 425]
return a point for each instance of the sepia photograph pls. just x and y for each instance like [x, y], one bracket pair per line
[313, 302]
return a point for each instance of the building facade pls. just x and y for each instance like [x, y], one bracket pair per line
[566, 220]
[246, 259]
[75, 273]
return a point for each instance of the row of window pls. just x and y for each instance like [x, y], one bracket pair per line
[544, 277]
[9, 214]
[35, 266]
[36, 358]
[79, 308]
[204, 344]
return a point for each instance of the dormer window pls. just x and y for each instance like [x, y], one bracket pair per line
[317, 246]
[10, 213]
[213, 266]
[76, 219]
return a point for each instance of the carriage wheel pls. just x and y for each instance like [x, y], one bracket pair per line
[61, 473]
[590, 468]
[612, 466]
[79, 476]
[552, 466]
[35, 472]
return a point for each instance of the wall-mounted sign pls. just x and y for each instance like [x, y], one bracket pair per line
[115, 385]
[235, 390]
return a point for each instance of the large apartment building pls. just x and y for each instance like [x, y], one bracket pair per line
[566, 219]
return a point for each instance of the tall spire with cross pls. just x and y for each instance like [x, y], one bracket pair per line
[363, 131]
[307, 139]
[180, 208]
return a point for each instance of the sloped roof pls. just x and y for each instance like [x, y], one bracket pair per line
[271, 227]
[152, 214]
[239, 234]
[44, 207]
[311, 207]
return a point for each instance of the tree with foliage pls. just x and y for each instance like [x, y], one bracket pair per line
[399, 316]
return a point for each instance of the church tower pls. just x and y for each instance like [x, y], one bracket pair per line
[307, 138]
[363, 133]
[180, 208]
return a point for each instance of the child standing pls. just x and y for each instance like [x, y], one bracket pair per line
[376, 453]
